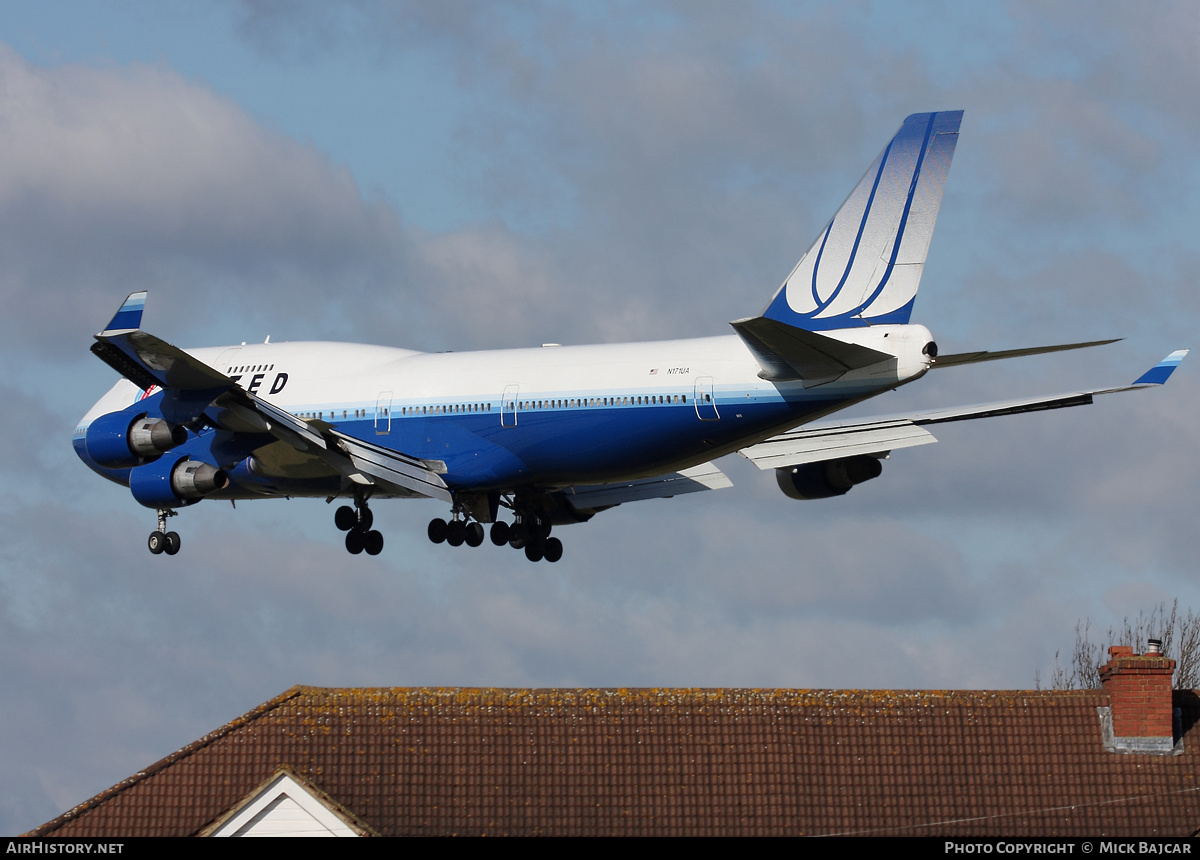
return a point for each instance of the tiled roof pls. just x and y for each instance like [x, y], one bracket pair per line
[674, 761]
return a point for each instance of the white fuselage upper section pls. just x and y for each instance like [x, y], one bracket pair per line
[328, 377]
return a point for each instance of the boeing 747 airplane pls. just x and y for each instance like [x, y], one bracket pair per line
[529, 439]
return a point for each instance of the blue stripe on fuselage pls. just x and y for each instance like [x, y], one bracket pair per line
[575, 444]
[568, 444]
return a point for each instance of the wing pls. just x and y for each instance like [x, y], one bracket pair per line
[830, 441]
[193, 389]
[377, 463]
[693, 480]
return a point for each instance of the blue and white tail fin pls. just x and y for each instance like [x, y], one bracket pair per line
[865, 267]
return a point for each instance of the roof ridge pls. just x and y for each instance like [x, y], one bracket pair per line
[307, 688]
[627, 690]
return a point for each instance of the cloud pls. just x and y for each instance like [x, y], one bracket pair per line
[120, 178]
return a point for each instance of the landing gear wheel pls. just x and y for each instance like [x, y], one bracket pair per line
[474, 534]
[499, 533]
[355, 542]
[518, 535]
[365, 519]
[456, 532]
[345, 518]
[437, 530]
[553, 550]
[160, 539]
[533, 550]
[373, 543]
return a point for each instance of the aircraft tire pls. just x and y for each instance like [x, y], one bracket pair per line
[533, 551]
[518, 535]
[366, 519]
[373, 543]
[345, 518]
[173, 543]
[456, 532]
[499, 533]
[437, 530]
[554, 550]
[157, 542]
[474, 534]
[355, 542]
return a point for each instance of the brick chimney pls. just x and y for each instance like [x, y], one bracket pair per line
[1143, 715]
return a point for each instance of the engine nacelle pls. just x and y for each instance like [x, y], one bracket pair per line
[170, 483]
[114, 441]
[828, 478]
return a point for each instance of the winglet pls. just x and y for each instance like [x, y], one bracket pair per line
[147, 361]
[129, 317]
[1158, 374]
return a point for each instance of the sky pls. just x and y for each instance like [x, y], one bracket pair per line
[466, 175]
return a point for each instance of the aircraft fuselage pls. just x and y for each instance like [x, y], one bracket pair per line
[505, 419]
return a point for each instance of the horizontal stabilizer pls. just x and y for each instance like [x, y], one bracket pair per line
[693, 480]
[787, 353]
[984, 355]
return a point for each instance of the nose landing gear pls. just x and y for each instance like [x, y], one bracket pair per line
[161, 540]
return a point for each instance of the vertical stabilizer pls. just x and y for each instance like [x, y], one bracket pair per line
[865, 267]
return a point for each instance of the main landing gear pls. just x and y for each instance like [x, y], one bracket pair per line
[161, 540]
[356, 523]
[528, 532]
[456, 532]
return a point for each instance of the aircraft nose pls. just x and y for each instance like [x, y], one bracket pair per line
[79, 443]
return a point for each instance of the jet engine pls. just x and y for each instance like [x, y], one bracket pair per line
[114, 441]
[169, 483]
[828, 478]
